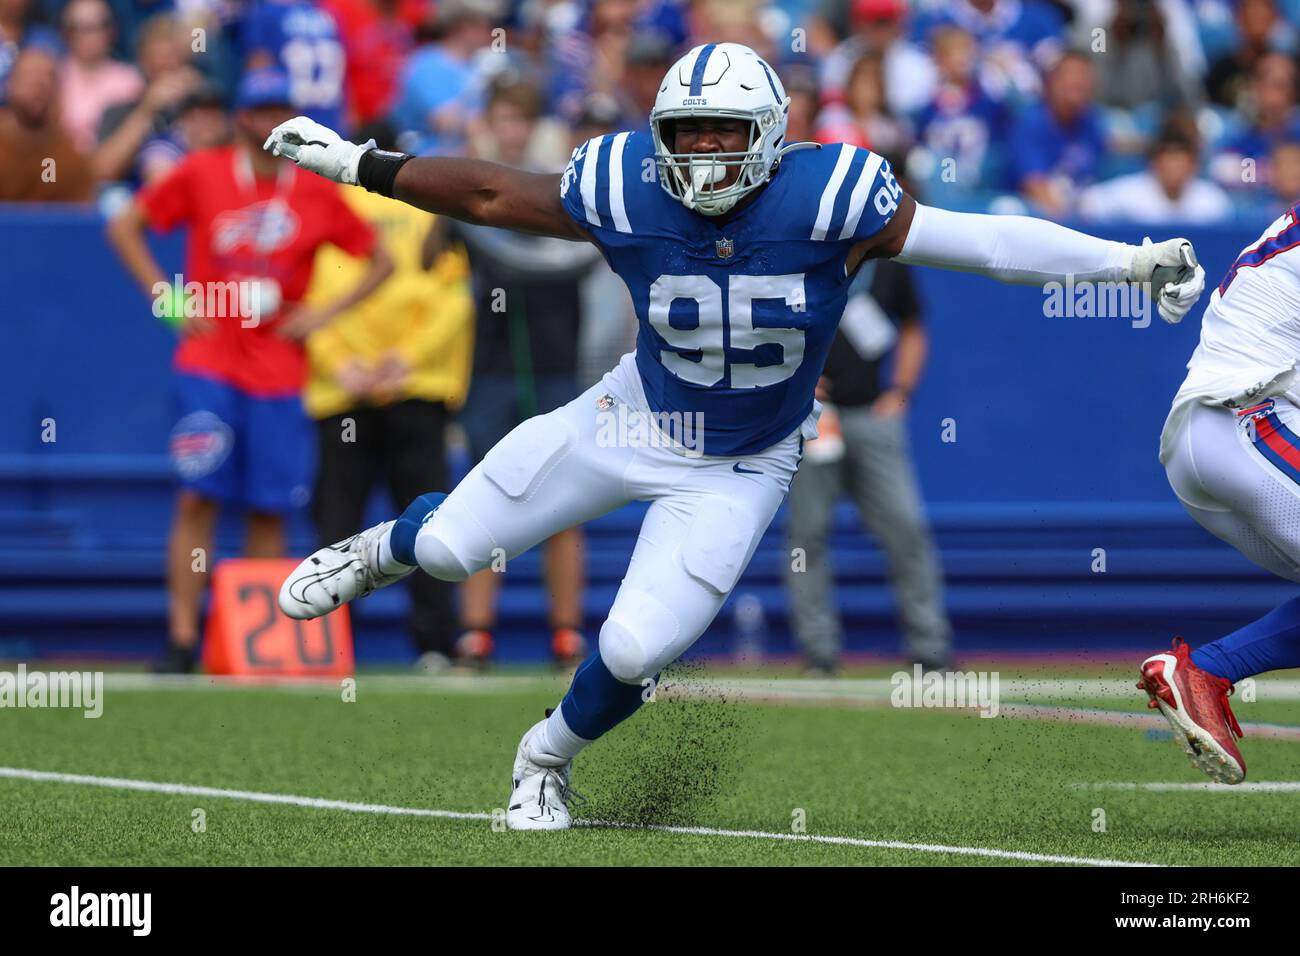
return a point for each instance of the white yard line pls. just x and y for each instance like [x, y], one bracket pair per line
[839, 693]
[317, 803]
[1259, 786]
[778, 688]
[1099, 716]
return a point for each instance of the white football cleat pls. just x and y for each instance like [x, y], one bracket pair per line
[333, 576]
[541, 782]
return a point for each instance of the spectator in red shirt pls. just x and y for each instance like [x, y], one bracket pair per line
[377, 42]
[242, 438]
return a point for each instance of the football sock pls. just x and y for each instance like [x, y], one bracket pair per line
[1269, 644]
[400, 543]
[597, 701]
[557, 738]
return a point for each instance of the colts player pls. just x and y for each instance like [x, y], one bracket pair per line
[738, 249]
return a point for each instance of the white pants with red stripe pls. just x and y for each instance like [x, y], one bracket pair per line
[1238, 475]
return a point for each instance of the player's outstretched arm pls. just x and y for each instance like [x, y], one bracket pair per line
[471, 190]
[1024, 250]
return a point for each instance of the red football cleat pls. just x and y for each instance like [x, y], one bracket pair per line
[1196, 705]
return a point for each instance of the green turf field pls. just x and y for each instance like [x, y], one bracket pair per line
[715, 751]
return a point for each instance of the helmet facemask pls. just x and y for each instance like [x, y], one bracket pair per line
[693, 178]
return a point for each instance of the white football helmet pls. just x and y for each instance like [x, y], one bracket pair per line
[719, 80]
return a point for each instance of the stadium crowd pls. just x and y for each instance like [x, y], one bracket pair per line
[1159, 110]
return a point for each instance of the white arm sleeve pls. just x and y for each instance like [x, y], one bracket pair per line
[1015, 249]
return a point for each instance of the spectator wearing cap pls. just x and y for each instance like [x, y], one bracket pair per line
[242, 440]
[879, 27]
[1057, 146]
[38, 161]
[300, 38]
[442, 86]
[91, 80]
[18, 30]
[1244, 160]
[1019, 39]
[164, 58]
[1167, 193]
[963, 122]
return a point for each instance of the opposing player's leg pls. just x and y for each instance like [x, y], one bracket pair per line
[697, 537]
[1233, 474]
[548, 474]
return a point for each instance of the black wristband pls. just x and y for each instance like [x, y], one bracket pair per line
[377, 169]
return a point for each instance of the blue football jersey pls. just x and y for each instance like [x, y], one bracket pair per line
[737, 313]
[303, 40]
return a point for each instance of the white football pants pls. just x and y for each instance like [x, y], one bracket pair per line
[558, 470]
[1233, 475]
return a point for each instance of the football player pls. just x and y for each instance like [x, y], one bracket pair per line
[738, 249]
[1232, 455]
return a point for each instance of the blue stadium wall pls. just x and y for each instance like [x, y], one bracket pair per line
[1056, 423]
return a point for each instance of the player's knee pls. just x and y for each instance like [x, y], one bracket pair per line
[438, 559]
[638, 639]
[623, 653]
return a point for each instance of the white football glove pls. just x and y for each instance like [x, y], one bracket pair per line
[317, 148]
[1163, 264]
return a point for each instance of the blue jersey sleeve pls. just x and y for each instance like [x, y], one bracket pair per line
[851, 192]
[603, 186]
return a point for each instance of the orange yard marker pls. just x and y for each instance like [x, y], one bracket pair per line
[248, 634]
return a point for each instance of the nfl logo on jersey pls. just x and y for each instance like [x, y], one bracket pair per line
[726, 248]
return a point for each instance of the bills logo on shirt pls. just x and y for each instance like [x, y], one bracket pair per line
[265, 227]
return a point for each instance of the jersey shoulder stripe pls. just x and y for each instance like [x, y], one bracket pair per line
[598, 167]
[847, 182]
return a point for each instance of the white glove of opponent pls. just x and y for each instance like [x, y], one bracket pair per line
[1164, 264]
[317, 148]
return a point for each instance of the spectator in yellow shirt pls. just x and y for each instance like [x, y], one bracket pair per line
[384, 378]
